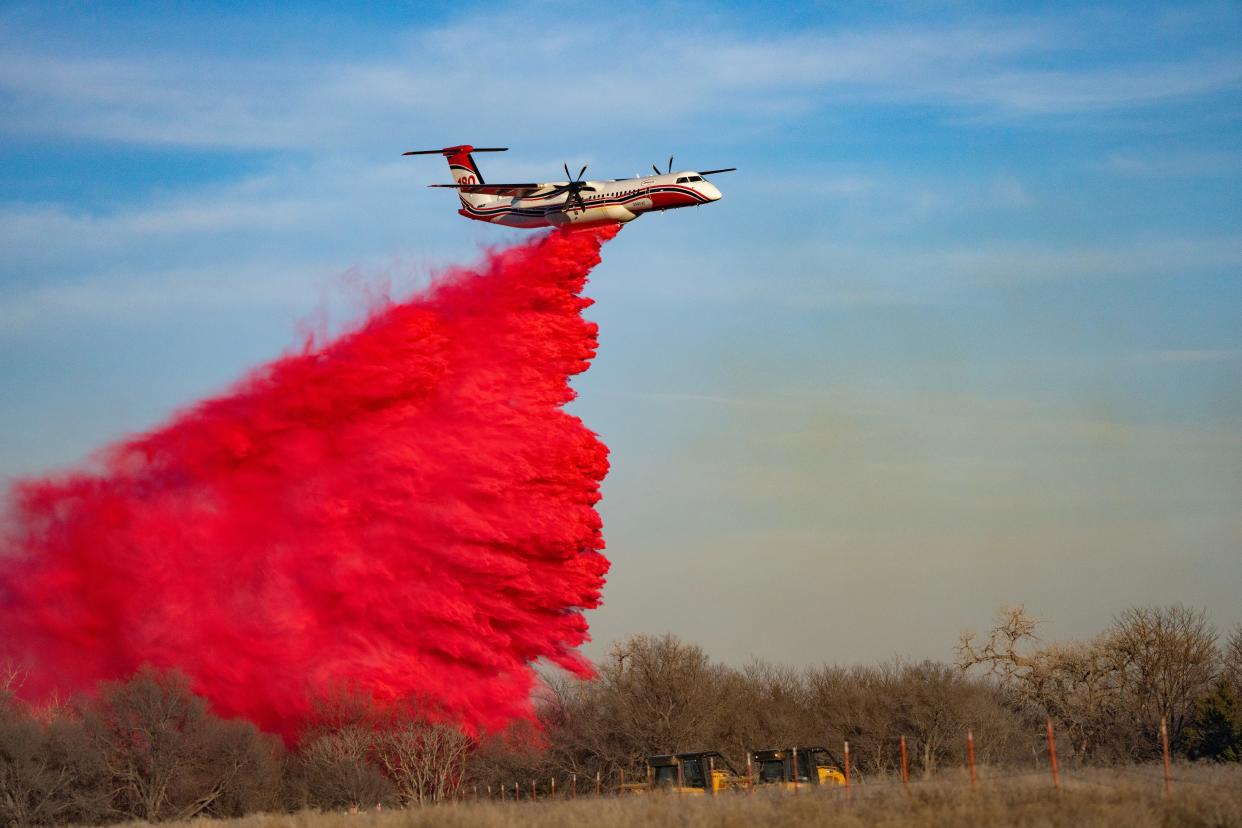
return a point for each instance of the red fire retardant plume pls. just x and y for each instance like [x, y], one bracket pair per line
[407, 511]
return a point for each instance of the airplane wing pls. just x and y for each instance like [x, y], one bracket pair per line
[515, 190]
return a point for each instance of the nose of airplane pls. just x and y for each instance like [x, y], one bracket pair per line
[708, 189]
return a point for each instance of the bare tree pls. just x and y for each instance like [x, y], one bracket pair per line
[664, 692]
[167, 757]
[1231, 661]
[40, 780]
[334, 770]
[1077, 684]
[12, 677]
[1167, 658]
[425, 760]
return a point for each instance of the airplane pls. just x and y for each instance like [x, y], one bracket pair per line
[573, 203]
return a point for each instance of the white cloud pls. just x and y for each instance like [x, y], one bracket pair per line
[429, 82]
[118, 296]
[1175, 164]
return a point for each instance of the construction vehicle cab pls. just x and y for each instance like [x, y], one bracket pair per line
[702, 772]
[795, 766]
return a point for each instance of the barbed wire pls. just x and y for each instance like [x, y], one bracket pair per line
[862, 787]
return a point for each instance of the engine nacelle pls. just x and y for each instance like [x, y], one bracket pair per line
[611, 214]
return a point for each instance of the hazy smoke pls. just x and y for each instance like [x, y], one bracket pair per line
[407, 511]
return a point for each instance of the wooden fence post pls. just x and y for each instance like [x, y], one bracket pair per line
[574, 782]
[750, 774]
[795, 769]
[598, 783]
[553, 787]
[1052, 757]
[905, 772]
[970, 753]
[1164, 746]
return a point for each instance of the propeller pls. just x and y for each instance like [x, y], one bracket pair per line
[657, 169]
[575, 186]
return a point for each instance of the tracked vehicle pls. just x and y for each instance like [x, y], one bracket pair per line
[790, 767]
[695, 773]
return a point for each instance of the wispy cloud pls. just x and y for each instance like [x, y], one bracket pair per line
[425, 77]
[1188, 356]
[123, 296]
[1175, 164]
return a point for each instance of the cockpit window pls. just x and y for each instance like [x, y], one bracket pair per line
[682, 180]
[695, 178]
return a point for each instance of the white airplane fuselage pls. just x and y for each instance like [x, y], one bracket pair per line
[612, 202]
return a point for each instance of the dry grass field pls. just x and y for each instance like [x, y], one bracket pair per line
[1130, 797]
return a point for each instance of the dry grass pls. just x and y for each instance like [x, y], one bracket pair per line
[1133, 798]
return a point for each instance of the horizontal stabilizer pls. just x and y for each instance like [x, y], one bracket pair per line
[455, 150]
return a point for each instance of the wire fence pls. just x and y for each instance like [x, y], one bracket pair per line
[861, 788]
[573, 786]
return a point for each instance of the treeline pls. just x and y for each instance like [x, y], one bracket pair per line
[149, 749]
[1106, 697]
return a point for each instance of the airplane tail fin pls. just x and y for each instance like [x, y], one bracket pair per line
[464, 169]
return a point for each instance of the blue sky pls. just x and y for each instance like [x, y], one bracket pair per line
[964, 330]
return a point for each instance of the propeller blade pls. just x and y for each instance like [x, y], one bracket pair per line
[670, 163]
[580, 172]
[711, 172]
[566, 166]
[655, 169]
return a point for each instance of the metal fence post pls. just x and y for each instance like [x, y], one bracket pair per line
[1164, 745]
[970, 753]
[848, 793]
[1052, 757]
[905, 773]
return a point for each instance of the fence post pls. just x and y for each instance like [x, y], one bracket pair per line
[598, 782]
[621, 787]
[750, 774]
[1052, 757]
[905, 773]
[847, 771]
[1164, 745]
[553, 787]
[574, 783]
[970, 753]
[680, 779]
[795, 769]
